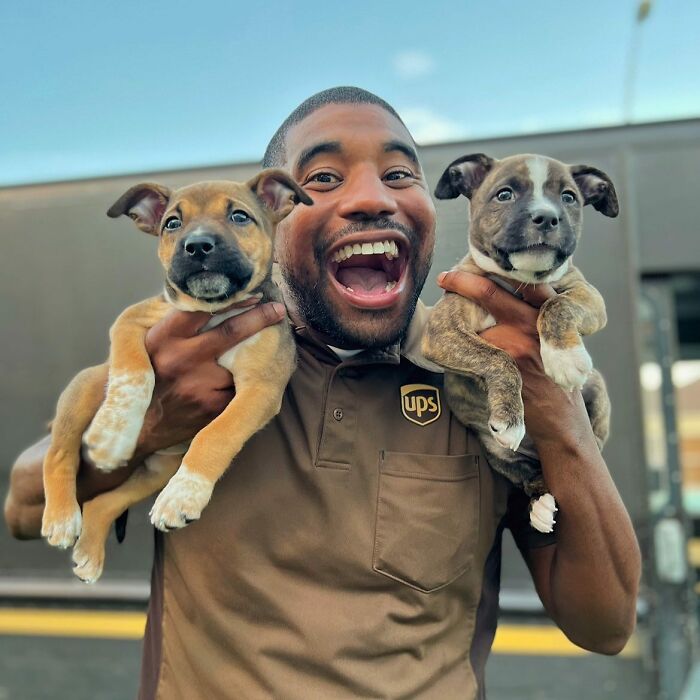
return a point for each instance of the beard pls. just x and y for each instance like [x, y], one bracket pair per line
[371, 328]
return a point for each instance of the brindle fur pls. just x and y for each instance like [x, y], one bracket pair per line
[261, 366]
[482, 382]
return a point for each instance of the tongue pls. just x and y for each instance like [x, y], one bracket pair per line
[363, 279]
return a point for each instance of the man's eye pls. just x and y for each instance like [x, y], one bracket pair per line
[323, 178]
[393, 175]
[240, 217]
[173, 223]
[568, 197]
[505, 195]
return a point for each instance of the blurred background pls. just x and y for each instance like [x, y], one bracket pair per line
[98, 96]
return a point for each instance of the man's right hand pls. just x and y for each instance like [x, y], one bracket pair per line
[191, 390]
[191, 387]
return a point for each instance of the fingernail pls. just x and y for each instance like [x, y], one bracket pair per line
[279, 308]
[441, 277]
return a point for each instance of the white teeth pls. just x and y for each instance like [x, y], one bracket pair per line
[350, 289]
[388, 248]
[389, 286]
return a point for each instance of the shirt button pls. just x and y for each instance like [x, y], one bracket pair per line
[338, 413]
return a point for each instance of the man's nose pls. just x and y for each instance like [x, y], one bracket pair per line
[366, 196]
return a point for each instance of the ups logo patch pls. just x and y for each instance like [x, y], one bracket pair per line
[420, 403]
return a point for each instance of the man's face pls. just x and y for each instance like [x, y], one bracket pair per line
[358, 164]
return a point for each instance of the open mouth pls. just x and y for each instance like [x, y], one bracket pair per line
[369, 269]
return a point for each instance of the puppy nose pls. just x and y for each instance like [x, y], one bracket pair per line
[199, 245]
[544, 220]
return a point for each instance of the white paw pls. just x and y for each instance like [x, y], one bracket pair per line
[569, 368]
[542, 512]
[182, 500]
[509, 436]
[62, 530]
[88, 564]
[112, 435]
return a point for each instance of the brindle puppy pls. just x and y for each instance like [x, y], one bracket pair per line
[525, 223]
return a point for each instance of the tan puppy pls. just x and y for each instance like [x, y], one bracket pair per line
[525, 222]
[215, 243]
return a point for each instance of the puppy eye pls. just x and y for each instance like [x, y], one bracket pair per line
[240, 217]
[173, 223]
[505, 195]
[568, 197]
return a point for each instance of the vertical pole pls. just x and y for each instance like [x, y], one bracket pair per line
[674, 614]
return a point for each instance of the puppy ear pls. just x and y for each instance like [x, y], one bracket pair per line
[278, 191]
[463, 176]
[596, 188]
[145, 204]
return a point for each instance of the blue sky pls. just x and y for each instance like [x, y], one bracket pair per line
[100, 88]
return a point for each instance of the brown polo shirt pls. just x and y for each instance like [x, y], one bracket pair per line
[352, 550]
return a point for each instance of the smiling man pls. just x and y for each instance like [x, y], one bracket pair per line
[353, 548]
[355, 263]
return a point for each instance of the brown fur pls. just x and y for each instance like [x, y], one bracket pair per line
[261, 367]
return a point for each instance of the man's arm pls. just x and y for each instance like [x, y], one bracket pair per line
[191, 389]
[588, 581]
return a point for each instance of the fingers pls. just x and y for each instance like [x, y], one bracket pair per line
[502, 305]
[216, 341]
[181, 324]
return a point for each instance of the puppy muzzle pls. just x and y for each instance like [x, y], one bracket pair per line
[208, 267]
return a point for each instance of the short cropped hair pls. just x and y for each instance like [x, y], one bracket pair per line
[276, 154]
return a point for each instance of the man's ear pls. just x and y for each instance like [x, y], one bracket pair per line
[145, 204]
[463, 176]
[596, 188]
[278, 191]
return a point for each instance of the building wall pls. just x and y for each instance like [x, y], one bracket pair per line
[67, 271]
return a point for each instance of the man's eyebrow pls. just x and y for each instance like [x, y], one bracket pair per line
[311, 152]
[402, 147]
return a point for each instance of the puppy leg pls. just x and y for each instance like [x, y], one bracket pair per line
[563, 319]
[210, 454]
[113, 433]
[261, 367]
[77, 405]
[102, 511]
[451, 341]
[595, 396]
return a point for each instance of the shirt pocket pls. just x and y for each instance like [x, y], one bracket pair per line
[427, 521]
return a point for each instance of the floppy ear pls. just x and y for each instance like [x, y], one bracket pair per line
[145, 204]
[463, 176]
[278, 191]
[597, 189]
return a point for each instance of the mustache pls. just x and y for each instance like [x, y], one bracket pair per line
[379, 223]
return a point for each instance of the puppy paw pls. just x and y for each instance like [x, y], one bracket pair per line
[508, 435]
[182, 500]
[88, 560]
[61, 527]
[542, 512]
[112, 435]
[569, 368]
